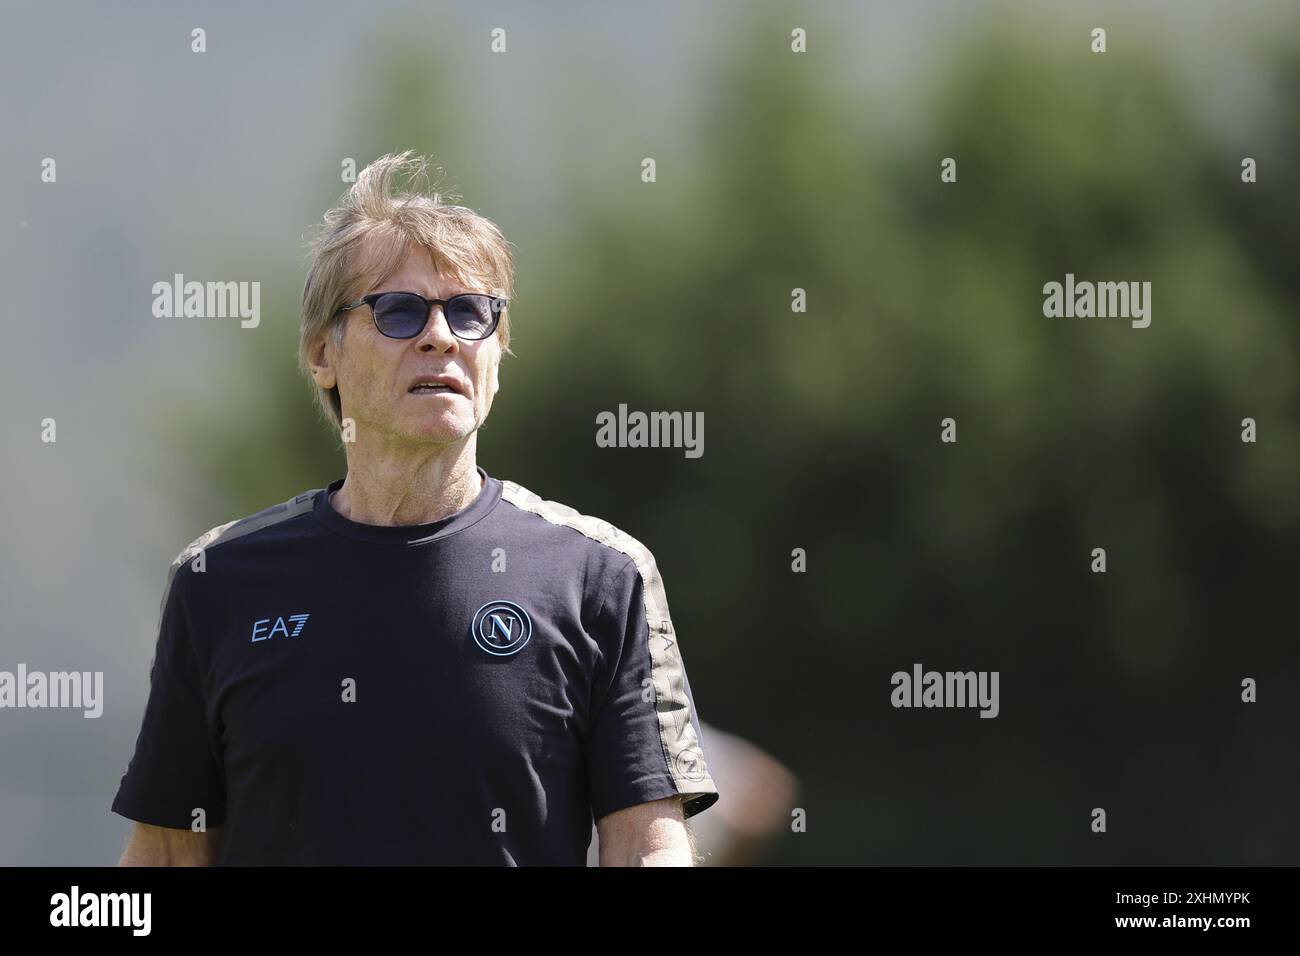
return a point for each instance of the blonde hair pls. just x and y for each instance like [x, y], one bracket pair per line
[367, 236]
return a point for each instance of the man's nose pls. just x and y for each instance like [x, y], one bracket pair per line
[437, 333]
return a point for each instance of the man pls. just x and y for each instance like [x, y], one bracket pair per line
[419, 664]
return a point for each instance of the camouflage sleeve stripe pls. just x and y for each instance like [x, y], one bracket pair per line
[682, 751]
[236, 529]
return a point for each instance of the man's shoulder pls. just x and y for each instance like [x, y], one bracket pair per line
[241, 528]
[591, 533]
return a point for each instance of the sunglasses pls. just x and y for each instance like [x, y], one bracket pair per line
[403, 315]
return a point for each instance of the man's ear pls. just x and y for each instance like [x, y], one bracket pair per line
[321, 359]
[496, 375]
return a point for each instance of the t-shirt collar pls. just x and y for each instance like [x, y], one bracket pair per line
[411, 534]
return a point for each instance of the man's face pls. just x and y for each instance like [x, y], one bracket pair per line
[375, 373]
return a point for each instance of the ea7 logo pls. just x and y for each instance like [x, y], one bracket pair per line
[264, 629]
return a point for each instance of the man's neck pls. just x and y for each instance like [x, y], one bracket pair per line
[395, 487]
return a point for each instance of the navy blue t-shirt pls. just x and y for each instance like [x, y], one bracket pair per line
[472, 691]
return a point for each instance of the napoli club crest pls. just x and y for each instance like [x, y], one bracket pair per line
[501, 628]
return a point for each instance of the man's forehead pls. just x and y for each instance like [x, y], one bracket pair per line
[416, 272]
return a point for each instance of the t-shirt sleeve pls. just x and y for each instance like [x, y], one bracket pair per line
[175, 769]
[644, 742]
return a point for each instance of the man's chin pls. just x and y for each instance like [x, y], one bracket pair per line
[438, 432]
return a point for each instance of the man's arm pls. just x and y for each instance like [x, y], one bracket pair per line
[168, 846]
[648, 834]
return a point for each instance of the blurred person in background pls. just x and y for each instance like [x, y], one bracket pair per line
[758, 794]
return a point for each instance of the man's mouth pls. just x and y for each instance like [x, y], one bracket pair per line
[434, 385]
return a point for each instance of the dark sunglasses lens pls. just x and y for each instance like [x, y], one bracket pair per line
[471, 316]
[400, 316]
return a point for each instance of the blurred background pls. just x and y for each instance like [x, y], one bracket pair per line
[775, 171]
